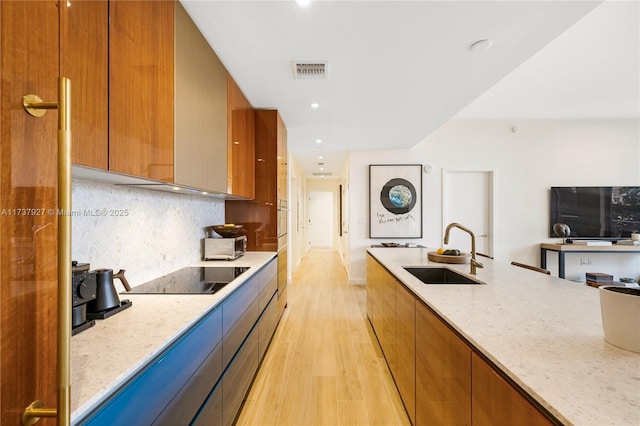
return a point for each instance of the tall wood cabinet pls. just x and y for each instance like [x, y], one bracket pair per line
[141, 88]
[260, 216]
[29, 64]
[265, 217]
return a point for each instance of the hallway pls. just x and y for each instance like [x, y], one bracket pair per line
[324, 365]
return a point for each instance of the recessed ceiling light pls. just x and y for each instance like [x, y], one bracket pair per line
[322, 169]
[315, 105]
[318, 140]
[481, 45]
[303, 3]
[320, 157]
[204, 192]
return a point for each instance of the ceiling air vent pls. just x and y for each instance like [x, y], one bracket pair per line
[322, 174]
[310, 70]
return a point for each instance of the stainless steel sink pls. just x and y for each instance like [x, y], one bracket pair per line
[439, 276]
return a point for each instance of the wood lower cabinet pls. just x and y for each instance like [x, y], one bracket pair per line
[141, 88]
[387, 337]
[443, 373]
[440, 378]
[495, 402]
[405, 366]
[84, 59]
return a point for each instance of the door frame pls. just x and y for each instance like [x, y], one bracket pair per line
[491, 174]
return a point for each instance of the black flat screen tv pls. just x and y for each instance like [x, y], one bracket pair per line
[602, 212]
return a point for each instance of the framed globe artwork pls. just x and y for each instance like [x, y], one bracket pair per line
[395, 201]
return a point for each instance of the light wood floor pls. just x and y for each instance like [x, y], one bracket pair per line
[324, 366]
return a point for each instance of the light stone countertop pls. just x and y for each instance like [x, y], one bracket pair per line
[115, 349]
[544, 332]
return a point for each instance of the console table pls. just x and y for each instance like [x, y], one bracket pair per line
[563, 249]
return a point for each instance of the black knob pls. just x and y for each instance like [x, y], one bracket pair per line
[86, 289]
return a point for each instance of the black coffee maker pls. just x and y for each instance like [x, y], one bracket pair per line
[83, 285]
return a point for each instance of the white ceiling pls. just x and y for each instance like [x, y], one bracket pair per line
[399, 70]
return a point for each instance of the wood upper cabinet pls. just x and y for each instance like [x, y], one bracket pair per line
[84, 42]
[141, 88]
[241, 151]
[405, 367]
[443, 373]
[259, 216]
[200, 109]
[496, 403]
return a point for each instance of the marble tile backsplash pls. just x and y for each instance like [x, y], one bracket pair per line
[148, 233]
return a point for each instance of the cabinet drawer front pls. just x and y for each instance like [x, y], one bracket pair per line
[191, 397]
[238, 377]
[211, 412]
[142, 399]
[234, 338]
[267, 325]
[268, 284]
[235, 306]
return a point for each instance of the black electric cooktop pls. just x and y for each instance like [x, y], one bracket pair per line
[193, 280]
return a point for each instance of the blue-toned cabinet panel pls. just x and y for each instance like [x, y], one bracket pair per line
[236, 305]
[267, 325]
[211, 412]
[268, 283]
[142, 399]
[232, 341]
[190, 398]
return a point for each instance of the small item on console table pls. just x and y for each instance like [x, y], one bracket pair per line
[596, 279]
[389, 244]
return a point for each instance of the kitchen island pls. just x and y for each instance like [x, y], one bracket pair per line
[115, 350]
[544, 334]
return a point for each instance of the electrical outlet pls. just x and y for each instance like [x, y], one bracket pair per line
[585, 261]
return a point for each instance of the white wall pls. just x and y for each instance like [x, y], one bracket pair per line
[160, 233]
[542, 153]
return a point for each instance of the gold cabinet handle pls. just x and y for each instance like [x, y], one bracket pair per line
[34, 411]
[36, 107]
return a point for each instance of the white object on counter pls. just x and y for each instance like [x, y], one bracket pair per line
[621, 316]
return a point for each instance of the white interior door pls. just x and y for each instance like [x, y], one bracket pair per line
[468, 200]
[321, 219]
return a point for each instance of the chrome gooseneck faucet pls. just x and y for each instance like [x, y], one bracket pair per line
[474, 263]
